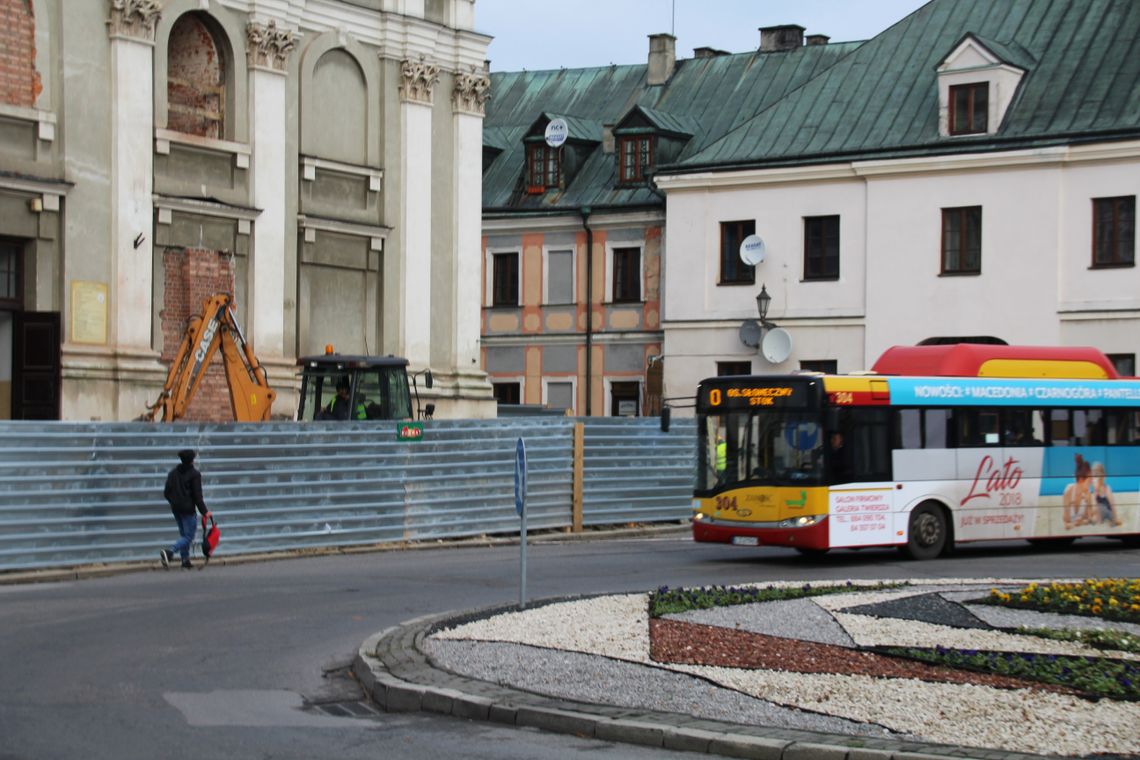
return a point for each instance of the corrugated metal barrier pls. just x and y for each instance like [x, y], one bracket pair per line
[82, 493]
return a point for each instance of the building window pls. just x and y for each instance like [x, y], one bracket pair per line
[505, 279]
[10, 275]
[733, 271]
[506, 393]
[826, 366]
[627, 275]
[560, 395]
[635, 158]
[1114, 231]
[962, 240]
[821, 247]
[726, 369]
[560, 277]
[1125, 364]
[969, 106]
[196, 80]
[543, 169]
[625, 399]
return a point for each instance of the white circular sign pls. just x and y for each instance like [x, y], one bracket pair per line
[752, 250]
[556, 132]
[777, 345]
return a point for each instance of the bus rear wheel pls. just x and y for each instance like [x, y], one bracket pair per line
[927, 535]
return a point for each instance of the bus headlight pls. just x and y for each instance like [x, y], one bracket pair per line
[803, 521]
[698, 516]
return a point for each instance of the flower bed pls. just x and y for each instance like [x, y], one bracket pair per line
[1108, 598]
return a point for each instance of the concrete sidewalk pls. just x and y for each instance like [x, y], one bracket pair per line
[400, 678]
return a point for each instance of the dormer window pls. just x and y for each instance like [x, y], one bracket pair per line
[977, 82]
[969, 108]
[635, 158]
[543, 169]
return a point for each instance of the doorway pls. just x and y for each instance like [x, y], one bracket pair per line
[29, 346]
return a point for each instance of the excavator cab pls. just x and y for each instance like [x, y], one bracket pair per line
[351, 388]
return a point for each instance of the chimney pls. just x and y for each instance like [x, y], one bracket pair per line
[708, 52]
[609, 145]
[662, 58]
[816, 39]
[778, 39]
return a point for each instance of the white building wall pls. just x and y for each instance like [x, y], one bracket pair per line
[1036, 284]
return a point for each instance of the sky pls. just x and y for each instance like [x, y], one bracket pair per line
[551, 34]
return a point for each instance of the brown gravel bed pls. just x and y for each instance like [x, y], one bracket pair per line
[676, 641]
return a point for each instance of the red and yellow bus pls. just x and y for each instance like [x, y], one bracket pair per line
[937, 445]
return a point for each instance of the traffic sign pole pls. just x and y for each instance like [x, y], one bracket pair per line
[520, 507]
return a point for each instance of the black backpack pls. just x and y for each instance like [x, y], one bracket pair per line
[176, 492]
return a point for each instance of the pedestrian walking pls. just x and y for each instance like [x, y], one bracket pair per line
[184, 493]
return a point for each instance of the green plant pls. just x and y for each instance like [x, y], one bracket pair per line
[1096, 677]
[1120, 641]
[1108, 598]
[666, 601]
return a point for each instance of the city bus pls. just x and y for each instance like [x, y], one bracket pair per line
[936, 445]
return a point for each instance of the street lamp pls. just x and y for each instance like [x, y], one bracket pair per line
[763, 301]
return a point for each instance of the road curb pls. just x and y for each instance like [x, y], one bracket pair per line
[399, 677]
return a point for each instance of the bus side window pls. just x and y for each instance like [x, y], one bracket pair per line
[1120, 428]
[908, 428]
[1089, 427]
[1060, 430]
[934, 426]
[976, 427]
[868, 441]
[1017, 428]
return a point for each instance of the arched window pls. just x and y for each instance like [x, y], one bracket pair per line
[196, 79]
[20, 84]
[340, 97]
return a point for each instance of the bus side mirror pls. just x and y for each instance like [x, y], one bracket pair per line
[666, 412]
[427, 378]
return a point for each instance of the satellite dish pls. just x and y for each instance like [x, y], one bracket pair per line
[753, 250]
[777, 345]
[750, 333]
[556, 132]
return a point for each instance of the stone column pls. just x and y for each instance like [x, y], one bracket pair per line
[268, 49]
[131, 28]
[419, 77]
[472, 89]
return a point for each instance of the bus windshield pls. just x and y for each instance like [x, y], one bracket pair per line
[763, 447]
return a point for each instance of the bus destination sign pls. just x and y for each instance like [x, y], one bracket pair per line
[752, 395]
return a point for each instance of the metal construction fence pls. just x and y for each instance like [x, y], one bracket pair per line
[82, 493]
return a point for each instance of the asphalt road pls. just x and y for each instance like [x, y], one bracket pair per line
[218, 664]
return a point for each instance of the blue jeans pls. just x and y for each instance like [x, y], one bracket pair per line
[187, 527]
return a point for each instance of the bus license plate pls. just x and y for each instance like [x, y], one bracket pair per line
[746, 540]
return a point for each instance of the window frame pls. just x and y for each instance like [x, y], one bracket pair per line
[961, 213]
[13, 251]
[493, 284]
[730, 259]
[223, 91]
[546, 253]
[723, 368]
[609, 391]
[544, 163]
[1119, 257]
[817, 239]
[971, 89]
[642, 149]
[571, 380]
[515, 381]
[628, 280]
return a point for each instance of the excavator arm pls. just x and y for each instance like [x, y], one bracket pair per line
[251, 398]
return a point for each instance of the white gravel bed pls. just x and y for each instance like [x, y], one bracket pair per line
[791, 618]
[611, 626]
[601, 680]
[1015, 720]
[893, 632]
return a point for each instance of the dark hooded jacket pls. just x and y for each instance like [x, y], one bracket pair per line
[184, 490]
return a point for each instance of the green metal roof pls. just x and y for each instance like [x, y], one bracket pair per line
[844, 101]
[707, 96]
[1082, 59]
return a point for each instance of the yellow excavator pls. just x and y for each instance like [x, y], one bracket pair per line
[250, 395]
